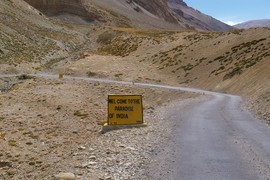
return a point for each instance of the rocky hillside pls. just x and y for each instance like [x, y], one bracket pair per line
[253, 24]
[174, 11]
[31, 41]
[158, 8]
[54, 39]
[195, 18]
[58, 8]
[235, 61]
[49, 126]
[161, 14]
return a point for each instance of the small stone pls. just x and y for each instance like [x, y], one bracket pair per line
[127, 164]
[122, 146]
[92, 163]
[64, 176]
[85, 165]
[130, 148]
[11, 172]
[93, 157]
[82, 148]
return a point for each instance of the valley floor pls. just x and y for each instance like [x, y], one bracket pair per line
[48, 126]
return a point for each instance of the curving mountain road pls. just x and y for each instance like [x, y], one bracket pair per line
[212, 140]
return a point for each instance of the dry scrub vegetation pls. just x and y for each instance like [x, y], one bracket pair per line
[214, 61]
[49, 126]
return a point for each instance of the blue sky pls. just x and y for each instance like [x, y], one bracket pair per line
[233, 11]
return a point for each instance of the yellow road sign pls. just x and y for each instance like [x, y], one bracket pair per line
[125, 109]
[60, 76]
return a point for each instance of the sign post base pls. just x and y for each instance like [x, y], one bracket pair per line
[106, 127]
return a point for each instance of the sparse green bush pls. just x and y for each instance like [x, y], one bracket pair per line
[91, 74]
[188, 67]
[12, 143]
[106, 37]
[235, 71]
[236, 31]
[81, 115]
[121, 46]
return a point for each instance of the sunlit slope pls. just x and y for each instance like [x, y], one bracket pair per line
[29, 37]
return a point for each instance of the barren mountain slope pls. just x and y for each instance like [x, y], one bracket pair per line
[176, 12]
[187, 57]
[48, 126]
[254, 24]
[138, 13]
[58, 8]
[142, 14]
[235, 61]
[31, 41]
[195, 18]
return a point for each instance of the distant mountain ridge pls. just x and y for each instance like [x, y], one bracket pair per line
[254, 24]
[159, 14]
[195, 18]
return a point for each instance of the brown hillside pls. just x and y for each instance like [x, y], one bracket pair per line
[235, 61]
[32, 42]
[50, 125]
[195, 18]
[159, 14]
[58, 8]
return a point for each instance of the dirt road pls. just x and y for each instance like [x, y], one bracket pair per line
[214, 139]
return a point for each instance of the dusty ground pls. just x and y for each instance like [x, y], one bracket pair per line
[50, 126]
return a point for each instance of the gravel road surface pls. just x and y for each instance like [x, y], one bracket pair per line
[214, 139]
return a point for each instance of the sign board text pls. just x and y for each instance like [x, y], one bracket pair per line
[125, 109]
